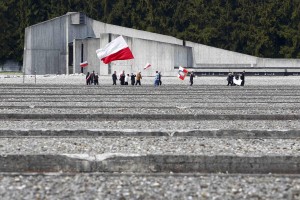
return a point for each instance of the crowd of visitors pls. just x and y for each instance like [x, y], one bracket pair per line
[135, 79]
[92, 78]
[236, 79]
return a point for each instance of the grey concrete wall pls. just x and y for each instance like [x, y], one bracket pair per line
[100, 28]
[162, 56]
[89, 54]
[215, 57]
[45, 47]
[278, 63]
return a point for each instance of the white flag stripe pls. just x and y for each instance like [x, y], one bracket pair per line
[112, 47]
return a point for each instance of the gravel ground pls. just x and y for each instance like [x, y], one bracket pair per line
[273, 95]
[168, 111]
[135, 186]
[151, 145]
[164, 125]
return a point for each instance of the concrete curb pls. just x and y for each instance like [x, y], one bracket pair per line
[75, 163]
[212, 133]
[146, 117]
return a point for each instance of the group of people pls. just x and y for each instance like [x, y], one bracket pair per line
[135, 79]
[124, 78]
[92, 78]
[236, 79]
[157, 79]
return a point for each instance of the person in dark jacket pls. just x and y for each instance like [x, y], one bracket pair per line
[159, 78]
[230, 79]
[88, 78]
[114, 78]
[132, 77]
[192, 78]
[92, 77]
[243, 78]
[96, 79]
[122, 78]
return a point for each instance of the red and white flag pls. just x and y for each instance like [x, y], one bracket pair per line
[84, 64]
[182, 72]
[147, 66]
[115, 50]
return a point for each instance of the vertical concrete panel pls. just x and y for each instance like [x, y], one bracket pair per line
[94, 63]
[77, 56]
[165, 58]
[103, 68]
[52, 62]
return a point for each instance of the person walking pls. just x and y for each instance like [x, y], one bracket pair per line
[88, 78]
[96, 79]
[132, 78]
[114, 78]
[138, 78]
[243, 78]
[156, 79]
[160, 78]
[192, 78]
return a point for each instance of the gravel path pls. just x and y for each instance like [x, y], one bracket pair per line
[153, 124]
[151, 145]
[118, 186]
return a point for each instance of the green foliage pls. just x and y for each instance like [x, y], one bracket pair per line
[266, 28]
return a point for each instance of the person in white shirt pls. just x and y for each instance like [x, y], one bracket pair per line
[126, 79]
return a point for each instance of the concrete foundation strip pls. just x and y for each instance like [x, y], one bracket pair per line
[205, 133]
[148, 117]
[78, 163]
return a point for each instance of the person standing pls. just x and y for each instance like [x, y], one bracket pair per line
[88, 78]
[92, 77]
[230, 79]
[192, 78]
[122, 78]
[132, 78]
[96, 79]
[127, 79]
[114, 78]
[138, 78]
[243, 78]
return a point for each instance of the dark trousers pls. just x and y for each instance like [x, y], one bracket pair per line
[138, 82]
[114, 82]
[243, 82]
[96, 82]
[192, 82]
[132, 82]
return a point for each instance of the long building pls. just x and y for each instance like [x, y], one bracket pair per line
[57, 46]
